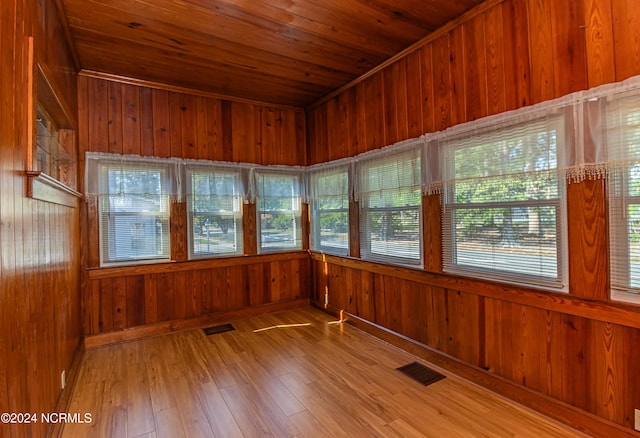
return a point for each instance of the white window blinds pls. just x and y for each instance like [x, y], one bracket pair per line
[215, 210]
[329, 201]
[390, 207]
[503, 213]
[623, 188]
[278, 205]
[133, 203]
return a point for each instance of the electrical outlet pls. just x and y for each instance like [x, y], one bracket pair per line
[63, 380]
[637, 422]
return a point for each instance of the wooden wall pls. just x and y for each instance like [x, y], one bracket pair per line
[161, 121]
[122, 298]
[577, 347]
[513, 54]
[39, 241]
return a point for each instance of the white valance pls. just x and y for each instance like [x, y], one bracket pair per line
[331, 181]
[584, 137]
[116, 176]
[174, 171]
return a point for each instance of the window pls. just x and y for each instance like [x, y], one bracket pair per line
[53, 152]
[330, 210]
[51, 157]
[278, 206]
[215, 211]
[623, 187]
[390, 208]
[503, 215]
[134, 212]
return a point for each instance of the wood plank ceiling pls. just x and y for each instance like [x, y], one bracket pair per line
[290, 52]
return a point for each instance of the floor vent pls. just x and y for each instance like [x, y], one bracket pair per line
[421, 373]
[218, 329]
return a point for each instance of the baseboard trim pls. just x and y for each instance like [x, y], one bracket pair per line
[163, 328]
[570, 415]
[64, 400]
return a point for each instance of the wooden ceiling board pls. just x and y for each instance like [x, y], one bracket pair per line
[232, 32]
[288, 52]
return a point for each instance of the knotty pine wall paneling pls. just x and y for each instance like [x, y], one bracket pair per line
[127, 118]
[136, 296]
[626, 36]
[124, 118]
[39, 241]
[513, 54]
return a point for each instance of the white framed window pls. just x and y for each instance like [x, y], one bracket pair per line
[390, 199]
[133, 206]
[329, 202]
[214, 211]
[623, 188]
[278, 209]
[504, 204]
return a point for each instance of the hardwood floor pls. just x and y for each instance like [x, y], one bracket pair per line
[294, 373]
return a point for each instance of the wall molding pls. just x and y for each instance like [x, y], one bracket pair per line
[179, 89]
[64, 400]
[192, 265]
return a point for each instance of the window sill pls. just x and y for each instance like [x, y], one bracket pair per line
[42, 187]
[191, 265]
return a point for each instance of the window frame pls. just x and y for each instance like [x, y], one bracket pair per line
[619, 246]
[316, 211]
[236, 214]
[295, 211]
[108, 241]
[624, 160]
[450, 262]
[366, 211]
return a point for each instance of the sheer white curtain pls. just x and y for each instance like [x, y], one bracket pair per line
[97, 183]
[565, 115]
[318, 175]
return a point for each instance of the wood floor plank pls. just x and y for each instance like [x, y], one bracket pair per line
[157, 375]
[168, 424]
[89, 401]
[308, 425]
[140, 419]
[220, 417]
[315, 405]
[400, 429]
[243, 411]
[297, 373]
